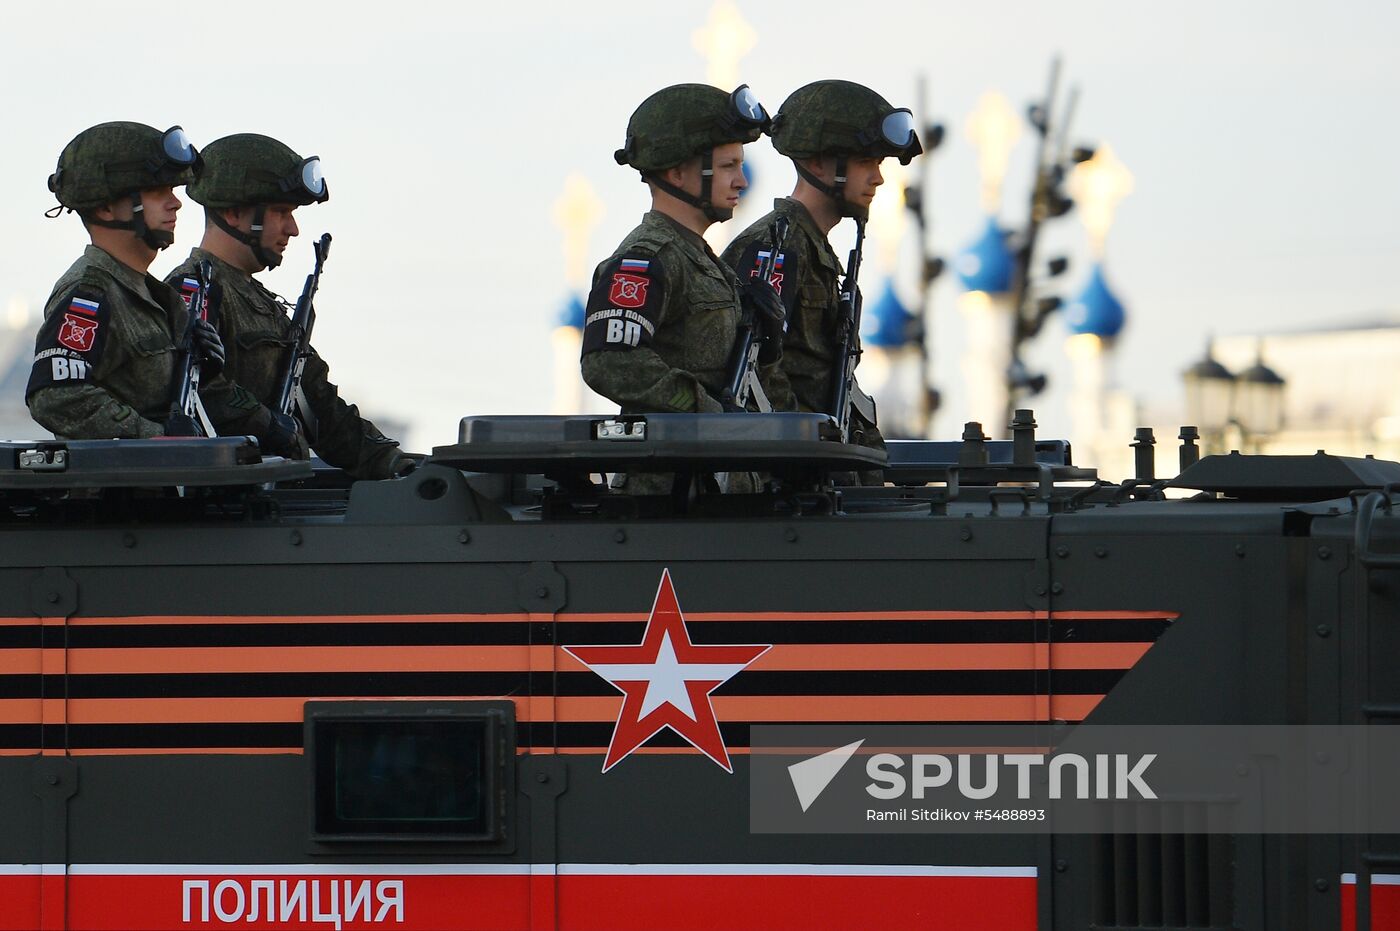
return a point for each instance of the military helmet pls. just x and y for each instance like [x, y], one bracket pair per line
[247, 169]
[843, 118]
[111, 160]
[685, 120]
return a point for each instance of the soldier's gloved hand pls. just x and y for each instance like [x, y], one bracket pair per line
[404, 464]
[763, 302]
[283, 438]
[208, 348]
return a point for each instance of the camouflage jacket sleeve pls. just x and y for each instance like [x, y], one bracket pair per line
[257, 344]
[344, 438]
[777, 386]
[626, 310]
[65, 392]
[233, 408]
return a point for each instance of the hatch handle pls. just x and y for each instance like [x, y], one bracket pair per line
[1365, 517]
[1015, 494]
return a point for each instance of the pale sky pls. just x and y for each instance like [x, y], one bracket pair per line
[1261, 136]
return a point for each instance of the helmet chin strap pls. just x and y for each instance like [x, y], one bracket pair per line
[837, 191]
[156, 239]
[704, 200]
[253, 238]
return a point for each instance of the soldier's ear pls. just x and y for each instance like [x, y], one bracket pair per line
[234, 215]
[817, 164]
[675, 176]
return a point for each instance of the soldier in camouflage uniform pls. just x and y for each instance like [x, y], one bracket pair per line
[250, 187]
[664, 311]
[104, 359]
[836, 133]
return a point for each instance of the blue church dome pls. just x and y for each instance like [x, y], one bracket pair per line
[571, 312]
[889, 323]
[986, 265]
[1095, 309]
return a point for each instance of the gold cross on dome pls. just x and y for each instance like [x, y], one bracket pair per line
[724, 40]
[994, 128]
[577, 211]
[1097, 186]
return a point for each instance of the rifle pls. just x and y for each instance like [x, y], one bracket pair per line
[187, 415]
[847, 357]
[743, 366]
[290, 398]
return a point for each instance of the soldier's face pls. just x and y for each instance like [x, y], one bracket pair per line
[158, 206]
[729, 181]
[727, 163]
[279, 227]
[863, 178]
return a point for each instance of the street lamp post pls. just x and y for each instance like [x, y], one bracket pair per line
[1031, 306]
[1210, 389]
[1259, 400]
[1218, 401]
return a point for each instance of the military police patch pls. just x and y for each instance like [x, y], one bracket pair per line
[629, 290]
[212, 295]
[622, 308]
[188, 288]
[775, 277]
[70, 341]
[753, 259]
[78, 330]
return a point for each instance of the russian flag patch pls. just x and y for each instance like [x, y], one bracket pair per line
[634, 265]
[81, 305]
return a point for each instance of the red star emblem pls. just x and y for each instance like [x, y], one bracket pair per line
[666, 681]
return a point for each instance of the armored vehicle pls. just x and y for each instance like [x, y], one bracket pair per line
[241, 692]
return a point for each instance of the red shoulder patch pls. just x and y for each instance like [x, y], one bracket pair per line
[628, 290]
[79, 328]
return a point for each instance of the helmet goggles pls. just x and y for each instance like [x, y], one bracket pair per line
[306, 180]
[745, 114]
[176, 148]
[892, 134]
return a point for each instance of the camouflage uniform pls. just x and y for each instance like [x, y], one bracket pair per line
[663, 315]
[104, 360]
[254, 325]
[675, 307]
[255, 171]
[810, 289]
[826, 118]
[808, 281]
